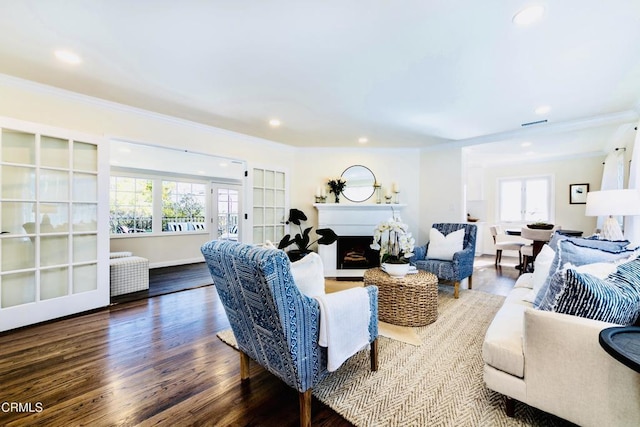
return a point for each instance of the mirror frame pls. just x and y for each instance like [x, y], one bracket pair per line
[359, 193]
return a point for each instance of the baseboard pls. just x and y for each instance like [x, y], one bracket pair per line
[175, 262]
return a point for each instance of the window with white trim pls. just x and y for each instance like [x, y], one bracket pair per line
[141, 203]
[183, 206]
[525, 199]
[130, 204]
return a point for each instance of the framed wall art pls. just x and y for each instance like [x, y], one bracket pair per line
[578, 194]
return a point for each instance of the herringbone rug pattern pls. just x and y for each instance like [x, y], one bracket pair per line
[437, 384]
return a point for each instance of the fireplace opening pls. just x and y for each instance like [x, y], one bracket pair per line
[354, 252]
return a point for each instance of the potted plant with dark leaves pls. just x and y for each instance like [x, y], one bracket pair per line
[303, 239]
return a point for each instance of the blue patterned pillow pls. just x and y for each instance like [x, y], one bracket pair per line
[576, 254]
[590, 242]
[614, 299]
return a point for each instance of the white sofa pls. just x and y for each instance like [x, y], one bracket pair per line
[554, 362]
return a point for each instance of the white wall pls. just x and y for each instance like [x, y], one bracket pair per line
[585, 170]
[313, 167]
[442, 190]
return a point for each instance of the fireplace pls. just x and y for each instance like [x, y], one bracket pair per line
[353, 222]
[354, 252]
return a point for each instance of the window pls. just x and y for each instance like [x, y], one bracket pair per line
[130, 204]
[525, 199]
[183, 206]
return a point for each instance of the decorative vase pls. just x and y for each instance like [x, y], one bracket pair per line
[396, 270]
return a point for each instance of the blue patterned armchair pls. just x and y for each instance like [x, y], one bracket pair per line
[274, 324]
[457, 269]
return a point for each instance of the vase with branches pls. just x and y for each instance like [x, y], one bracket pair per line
[336, 186]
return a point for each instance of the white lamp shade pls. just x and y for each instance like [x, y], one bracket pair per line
[613, 203]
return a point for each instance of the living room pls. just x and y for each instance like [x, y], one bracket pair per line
[442, 176]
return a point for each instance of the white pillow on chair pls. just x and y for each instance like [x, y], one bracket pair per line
[308, 273]
[443, 247]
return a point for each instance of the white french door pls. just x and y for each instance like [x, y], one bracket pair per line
[54, 222]
[226, 211]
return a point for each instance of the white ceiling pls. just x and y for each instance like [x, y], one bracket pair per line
[412, 73]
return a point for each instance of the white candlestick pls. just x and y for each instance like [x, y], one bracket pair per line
[318, 192]
[395, 187]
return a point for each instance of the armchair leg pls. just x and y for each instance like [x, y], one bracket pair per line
[304, 398]
[470, 281]
[510, 406]
[244, 366]
[498, 256]
[456, 290]
[374, 355]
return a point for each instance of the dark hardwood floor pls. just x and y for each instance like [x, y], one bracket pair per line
[166, 280]
[154, 361]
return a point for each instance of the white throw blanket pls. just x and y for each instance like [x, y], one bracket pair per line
[344, 324]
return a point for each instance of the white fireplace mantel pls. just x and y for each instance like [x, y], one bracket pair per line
[350, 220]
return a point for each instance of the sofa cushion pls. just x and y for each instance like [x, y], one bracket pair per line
[614, 298]
[541, 267]
[525, 280]
[577, 255]
[502, 346]
[443, 247]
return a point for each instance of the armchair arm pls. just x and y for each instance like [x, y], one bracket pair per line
[463, 262]
[419, 253]
[569, 374]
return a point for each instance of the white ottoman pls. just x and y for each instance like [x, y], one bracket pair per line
[128, 274]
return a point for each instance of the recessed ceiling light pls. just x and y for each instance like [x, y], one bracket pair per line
[274, 123]
[363, 140]
[543, 109]
[528, 15]
[68, 57]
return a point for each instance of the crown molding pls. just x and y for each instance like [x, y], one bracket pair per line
[622, 117]
[41, 88]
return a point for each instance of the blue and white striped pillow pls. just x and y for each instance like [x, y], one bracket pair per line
[568, 251]
[614, 299]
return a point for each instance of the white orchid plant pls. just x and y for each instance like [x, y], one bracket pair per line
[394, 242]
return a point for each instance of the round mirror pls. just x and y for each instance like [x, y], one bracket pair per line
[360, 181]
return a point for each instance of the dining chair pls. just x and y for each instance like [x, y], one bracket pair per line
[503, 242]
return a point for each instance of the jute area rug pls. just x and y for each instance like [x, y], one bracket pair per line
[438, 383]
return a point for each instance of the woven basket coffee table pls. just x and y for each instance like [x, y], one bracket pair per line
[408, 301]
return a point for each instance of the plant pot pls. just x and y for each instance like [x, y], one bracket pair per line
[296, 254]
[396, 270]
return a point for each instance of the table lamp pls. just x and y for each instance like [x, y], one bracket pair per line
[612, 203]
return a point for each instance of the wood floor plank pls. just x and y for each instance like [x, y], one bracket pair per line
[151, 362]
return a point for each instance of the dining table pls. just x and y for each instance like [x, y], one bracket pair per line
[540, 236]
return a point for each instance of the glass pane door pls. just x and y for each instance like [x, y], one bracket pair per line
[269, 199]
[227, 210]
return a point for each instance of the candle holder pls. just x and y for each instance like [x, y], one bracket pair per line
[377, 189]
[397, 198]
[387, 199]
[321, 199]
